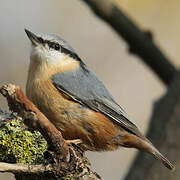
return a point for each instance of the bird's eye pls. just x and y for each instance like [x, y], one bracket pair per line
[57, 47]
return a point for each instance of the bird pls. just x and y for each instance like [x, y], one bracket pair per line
[71, 96]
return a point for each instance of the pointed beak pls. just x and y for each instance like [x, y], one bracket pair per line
[33, 38]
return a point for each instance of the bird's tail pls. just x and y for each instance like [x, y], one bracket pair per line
[152, 150]
[164, 160]
[143, 144]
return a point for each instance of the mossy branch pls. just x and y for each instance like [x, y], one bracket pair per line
[21, 142]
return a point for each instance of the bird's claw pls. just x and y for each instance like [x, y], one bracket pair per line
[74, 141]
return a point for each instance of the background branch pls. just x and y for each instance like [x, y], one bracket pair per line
[139, 43]
[164, 133]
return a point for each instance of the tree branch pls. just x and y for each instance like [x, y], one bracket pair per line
[64, 159]
[19, 103]
[139, 42]
[20, 168]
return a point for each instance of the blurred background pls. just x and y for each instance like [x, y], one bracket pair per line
[132, 84]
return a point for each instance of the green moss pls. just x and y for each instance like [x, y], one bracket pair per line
[20, 145]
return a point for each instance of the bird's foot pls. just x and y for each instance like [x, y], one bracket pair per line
[74, 141]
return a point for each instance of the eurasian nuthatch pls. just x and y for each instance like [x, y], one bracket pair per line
[76, 101]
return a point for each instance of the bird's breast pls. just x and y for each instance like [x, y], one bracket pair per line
[75, 121]
[54, 104]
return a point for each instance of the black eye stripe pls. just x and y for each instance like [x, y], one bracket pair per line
[53, 45]
[40, 40]
[56, 46]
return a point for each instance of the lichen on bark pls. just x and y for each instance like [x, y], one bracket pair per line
[20, 145]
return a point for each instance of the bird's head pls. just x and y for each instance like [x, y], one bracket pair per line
[49, 48]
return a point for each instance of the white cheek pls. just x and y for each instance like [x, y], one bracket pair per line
[43, 54]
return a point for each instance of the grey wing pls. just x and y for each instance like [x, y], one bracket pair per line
[84, 87]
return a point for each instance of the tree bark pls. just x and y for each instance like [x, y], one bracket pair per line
[65, 159]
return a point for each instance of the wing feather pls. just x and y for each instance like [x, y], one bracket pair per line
[85, 88]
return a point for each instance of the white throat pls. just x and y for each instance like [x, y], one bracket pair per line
[43, 54]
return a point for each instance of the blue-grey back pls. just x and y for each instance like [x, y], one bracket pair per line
[84, 87]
